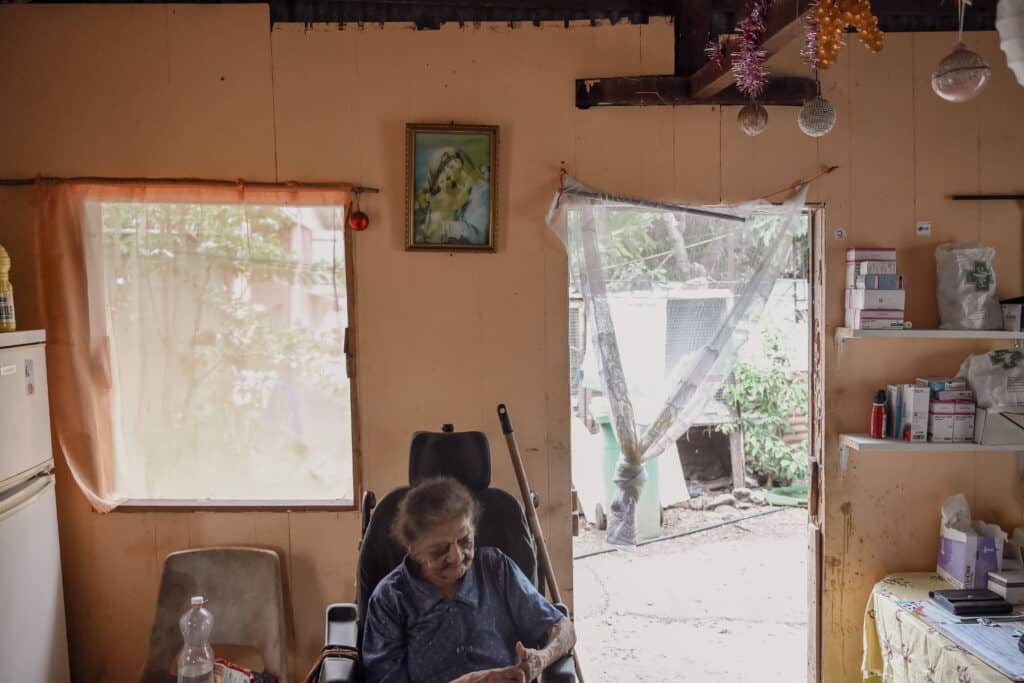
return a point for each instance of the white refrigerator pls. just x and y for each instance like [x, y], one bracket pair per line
[33, 636]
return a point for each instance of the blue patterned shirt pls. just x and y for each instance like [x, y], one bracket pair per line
[414, 635]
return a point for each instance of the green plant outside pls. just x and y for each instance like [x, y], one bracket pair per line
[766, 399]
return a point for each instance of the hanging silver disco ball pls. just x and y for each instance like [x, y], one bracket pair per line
[752, 119]
[817, 117]
[961, 75]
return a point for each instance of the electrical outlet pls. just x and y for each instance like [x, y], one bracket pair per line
[840, 234]
[924, 229]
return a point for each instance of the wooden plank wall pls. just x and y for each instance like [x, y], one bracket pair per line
[901, 151]
[210, 91]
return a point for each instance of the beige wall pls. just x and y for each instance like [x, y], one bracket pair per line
[210, 91]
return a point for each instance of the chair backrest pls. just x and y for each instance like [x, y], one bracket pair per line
[244, 592]
[466, 456]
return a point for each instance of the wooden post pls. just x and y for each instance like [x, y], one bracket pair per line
[739, 460]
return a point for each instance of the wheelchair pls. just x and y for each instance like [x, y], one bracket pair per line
[465, 456]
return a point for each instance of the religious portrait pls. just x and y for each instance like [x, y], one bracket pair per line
[451, 173]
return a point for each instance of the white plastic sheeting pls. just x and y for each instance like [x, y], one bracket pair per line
[685, 256]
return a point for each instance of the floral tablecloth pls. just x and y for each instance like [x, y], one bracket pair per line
[899, 647]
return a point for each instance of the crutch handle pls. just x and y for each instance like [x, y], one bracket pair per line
[506, 421]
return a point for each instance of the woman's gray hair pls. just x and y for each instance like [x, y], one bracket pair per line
[432, 502]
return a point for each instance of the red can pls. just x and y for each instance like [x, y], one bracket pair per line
[877, 428]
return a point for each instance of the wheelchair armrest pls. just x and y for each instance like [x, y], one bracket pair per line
[340, 625]
[564, 670]
[340, 629]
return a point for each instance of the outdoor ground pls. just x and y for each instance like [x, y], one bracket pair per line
[724, 605]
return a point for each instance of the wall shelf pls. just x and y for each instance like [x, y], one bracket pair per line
[863, 442]
[844, 334]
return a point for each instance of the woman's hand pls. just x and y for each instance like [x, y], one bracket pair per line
[531, 662]
[508, 674]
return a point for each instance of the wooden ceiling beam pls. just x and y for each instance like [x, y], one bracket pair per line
[783, 23]
[692, 24]
[644, 91]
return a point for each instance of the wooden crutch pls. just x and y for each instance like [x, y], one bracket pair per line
[531, 516]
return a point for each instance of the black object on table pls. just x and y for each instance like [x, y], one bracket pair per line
[971, 602]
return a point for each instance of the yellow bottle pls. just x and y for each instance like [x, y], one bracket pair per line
[6, 293]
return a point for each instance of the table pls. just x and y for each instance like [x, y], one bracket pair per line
[899, 647]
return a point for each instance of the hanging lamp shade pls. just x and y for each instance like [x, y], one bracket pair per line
[1010, 24]
[817, 117]
[752, 119]
[961, 75]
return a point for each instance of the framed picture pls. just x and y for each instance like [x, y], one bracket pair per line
[451, 186]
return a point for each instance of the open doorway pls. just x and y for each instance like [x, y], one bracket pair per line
[723, 584]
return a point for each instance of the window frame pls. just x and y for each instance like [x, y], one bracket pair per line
[131, 505]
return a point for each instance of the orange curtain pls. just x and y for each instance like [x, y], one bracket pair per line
[72, 302]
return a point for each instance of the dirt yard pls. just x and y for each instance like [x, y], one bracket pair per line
[725, 605]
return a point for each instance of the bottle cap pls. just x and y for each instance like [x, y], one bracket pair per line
[880, 396]
[198, 601]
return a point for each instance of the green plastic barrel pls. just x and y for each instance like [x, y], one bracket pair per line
[649, 508]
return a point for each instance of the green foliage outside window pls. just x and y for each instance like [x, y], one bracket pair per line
[224, 318]
[766, 400]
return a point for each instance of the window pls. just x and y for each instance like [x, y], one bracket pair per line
[226, 327]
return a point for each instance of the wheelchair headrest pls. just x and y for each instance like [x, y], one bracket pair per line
[465, 456]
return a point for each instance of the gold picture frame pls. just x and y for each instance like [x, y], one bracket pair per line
[451, 187]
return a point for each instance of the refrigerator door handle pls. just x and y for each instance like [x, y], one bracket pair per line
[25, 497]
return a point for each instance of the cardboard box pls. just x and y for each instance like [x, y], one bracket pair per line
[879, 282]
[966, 558]
[907, 410]
[860, 319]
[1013, 314]
[1009, 585]
[941, 428]
[963, 425]
[855, 269]
[954, 395]
[876, 299]
[871, 254]
[1012, 317]
[916, 409]
[996, 427]
[937, 384]
[951, 421]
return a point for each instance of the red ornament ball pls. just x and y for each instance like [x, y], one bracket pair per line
[358, 221]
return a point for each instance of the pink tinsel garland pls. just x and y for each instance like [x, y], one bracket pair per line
[715, 52]
[748, 60]
[812, 31]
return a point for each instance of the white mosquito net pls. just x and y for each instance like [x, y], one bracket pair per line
[711, 267]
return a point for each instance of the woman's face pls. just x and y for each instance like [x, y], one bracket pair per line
[450, 177]
[445, 552]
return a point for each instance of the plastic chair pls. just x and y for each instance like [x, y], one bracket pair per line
[244, 591]
[466, 456]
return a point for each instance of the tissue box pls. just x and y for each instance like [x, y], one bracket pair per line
[995, 427]
[966, 558]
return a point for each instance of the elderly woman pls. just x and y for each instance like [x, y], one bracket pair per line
[453, 613]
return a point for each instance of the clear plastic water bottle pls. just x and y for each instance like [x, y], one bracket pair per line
[195, 663]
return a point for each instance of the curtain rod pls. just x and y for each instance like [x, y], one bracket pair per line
[357, 189]
[654, 205]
